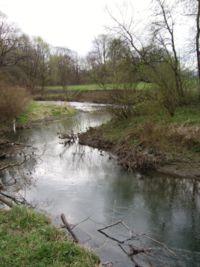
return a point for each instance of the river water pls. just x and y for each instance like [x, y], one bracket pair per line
[89, 187]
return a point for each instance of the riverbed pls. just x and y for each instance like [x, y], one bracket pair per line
[91, 190]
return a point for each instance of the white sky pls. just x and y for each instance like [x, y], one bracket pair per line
[69, 23]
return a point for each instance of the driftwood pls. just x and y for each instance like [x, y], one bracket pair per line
[111, 237]
[69, 138]
[6, 201]
[11, 165]
[132, 251]
[69, 229]
[15, 200]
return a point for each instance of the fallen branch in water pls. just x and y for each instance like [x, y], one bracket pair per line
[131, 256]
[11, 165]
[69, 138]
[75, 225]
[69, 229]
[107, 235]
[15, 200]
[132, 250]
[6, 201]
[160, 243]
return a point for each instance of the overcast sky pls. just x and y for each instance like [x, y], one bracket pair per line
[70, 23]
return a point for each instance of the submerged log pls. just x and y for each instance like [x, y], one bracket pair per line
[6, 201]
[68, 227]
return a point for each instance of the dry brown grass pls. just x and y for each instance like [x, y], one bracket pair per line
[13, 101]
[185, 135]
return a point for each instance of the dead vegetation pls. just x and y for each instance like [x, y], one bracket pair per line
[147, 145]
[13, 101]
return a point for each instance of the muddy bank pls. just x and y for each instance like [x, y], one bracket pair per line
[130, 158]
[144, 160]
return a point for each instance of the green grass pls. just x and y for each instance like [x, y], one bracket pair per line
[92, 87]
[27, 239]
[189, 115]
[39, 111]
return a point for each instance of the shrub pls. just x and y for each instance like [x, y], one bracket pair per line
[13, 101]
[129, 102]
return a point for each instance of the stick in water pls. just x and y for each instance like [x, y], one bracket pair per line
[67, 226]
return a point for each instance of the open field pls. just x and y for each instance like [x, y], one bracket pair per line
[90, 93]
[92, 87]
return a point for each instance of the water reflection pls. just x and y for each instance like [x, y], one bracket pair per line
[81, 182]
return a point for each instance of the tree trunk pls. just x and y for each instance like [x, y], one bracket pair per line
[197, 43]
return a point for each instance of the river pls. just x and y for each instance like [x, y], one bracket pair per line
[88, 186]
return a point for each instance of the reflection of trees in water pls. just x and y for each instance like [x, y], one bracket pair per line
[18, 174]
[168, 207]
[83, 157]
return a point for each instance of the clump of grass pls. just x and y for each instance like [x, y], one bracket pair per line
[39, 111]
[28, 239]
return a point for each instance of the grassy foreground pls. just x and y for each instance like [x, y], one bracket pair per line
[28, 239]
[40, 111]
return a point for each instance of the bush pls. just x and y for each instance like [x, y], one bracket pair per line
[132, 102]
[13, 101]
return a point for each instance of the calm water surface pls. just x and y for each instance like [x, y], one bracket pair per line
[84, 183]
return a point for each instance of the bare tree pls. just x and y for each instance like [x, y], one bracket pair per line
[191, 9]
[198, 40]
[157, 55]
[9, 43]
[98, 58]
[164, 35]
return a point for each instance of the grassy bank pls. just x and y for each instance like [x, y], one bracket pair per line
[148, 140]
[28, 239]
[39, 111]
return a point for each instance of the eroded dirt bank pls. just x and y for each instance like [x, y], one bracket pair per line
[143, 159]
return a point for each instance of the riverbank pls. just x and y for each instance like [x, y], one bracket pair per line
[37, 112]
[149, 142]
[27, 238]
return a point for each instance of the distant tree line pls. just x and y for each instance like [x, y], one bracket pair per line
[121, 57]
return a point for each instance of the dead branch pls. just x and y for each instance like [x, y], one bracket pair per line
[132, 250]
[111, 237]
[67, 226]
[131, 257]
[15, 200]
[160, 243]
[6, 201]
[75, 225]
[13, 165]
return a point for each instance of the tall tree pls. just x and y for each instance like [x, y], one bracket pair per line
[164, 34]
